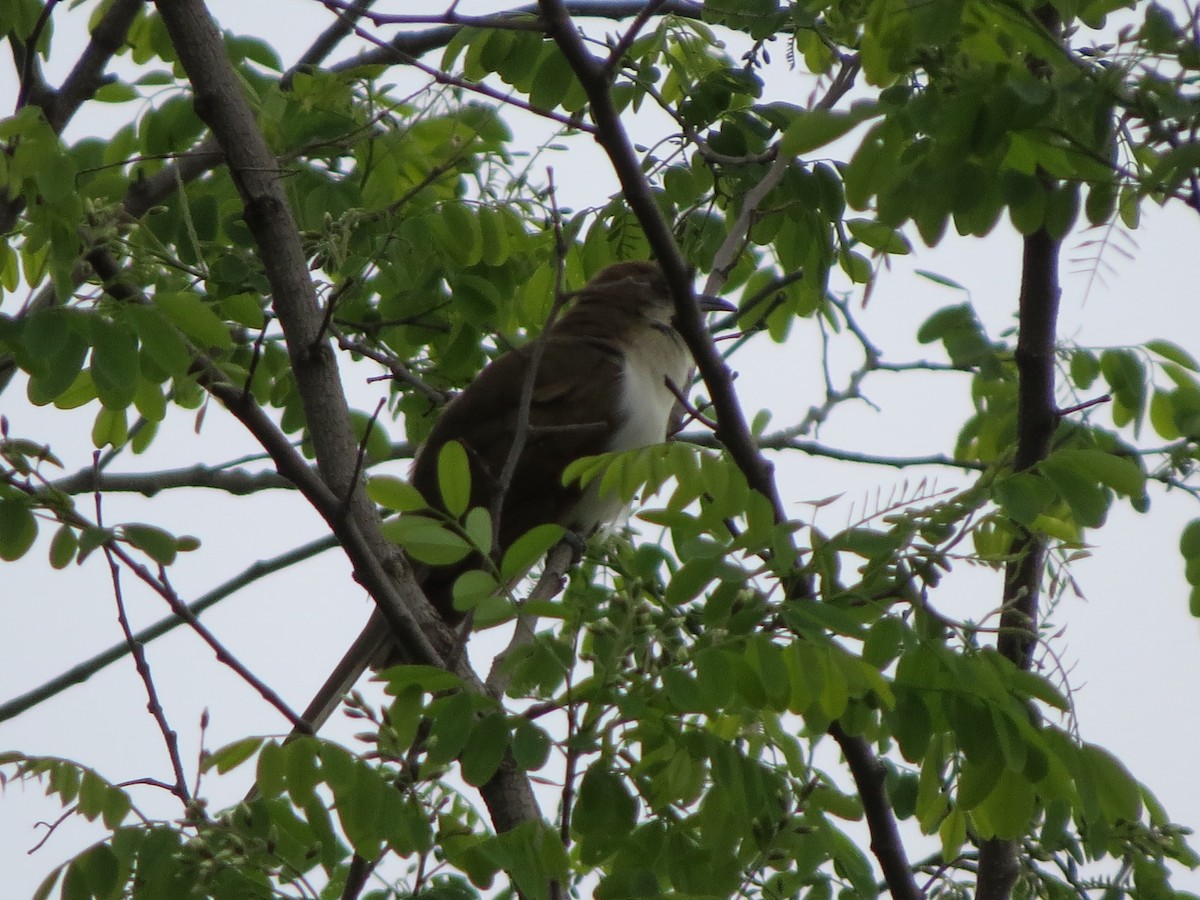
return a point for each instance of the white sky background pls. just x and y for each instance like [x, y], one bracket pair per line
[1132, 645]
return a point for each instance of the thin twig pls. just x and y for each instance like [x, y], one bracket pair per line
[86, 669]
[153, 704]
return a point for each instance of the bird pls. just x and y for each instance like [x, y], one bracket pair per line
[605, 376]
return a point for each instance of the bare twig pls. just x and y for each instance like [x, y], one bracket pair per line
[635, 27]
[153, 704]
[693, 414]
[86, 669]
[162, 587]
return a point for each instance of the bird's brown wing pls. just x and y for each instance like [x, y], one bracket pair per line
[572, 414]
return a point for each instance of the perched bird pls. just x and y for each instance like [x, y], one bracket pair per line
[600, 384]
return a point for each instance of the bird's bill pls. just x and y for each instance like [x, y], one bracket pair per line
[709, 303]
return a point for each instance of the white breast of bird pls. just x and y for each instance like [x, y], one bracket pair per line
[645, 405]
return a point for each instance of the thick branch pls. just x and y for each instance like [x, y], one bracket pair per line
[231, 481]
[338, 495]
[88, 74]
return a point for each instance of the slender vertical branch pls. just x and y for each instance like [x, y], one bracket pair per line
[999, 864]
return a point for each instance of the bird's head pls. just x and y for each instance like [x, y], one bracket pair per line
[639, 288]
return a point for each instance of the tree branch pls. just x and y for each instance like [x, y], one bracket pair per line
[886, 843]
[418, 43]
[1037, 417]
[83, 671]
[88, 76]
[336, 494]
[733, 430]
[237, 482]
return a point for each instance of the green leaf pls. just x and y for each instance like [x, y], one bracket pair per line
[879, 236]
[114, 363]
[1087, 499]
[1119, 793]
[427, 540]
[116, 808]
[161, 340]
[884, 641]
[530, 744]
[269, 773]
[977, 780]
[953, 834]
[478, 526]
[528, 549]
[1120, 473]
[394, 493]
[115, 92]
[485, 749]
[358, 792]
[1189, 540]
[850, 862]
[100, 870]
[690, 579]
[1023, 496]
[63, 546]
[18, 529]
[816, 128]
[453, 719]
[156, 543]
[1126, 375]
[1163, 416]
[244, 308]
[494, 236]
[1038, 687]
[1009, 809]
[1174, 353]
[55, 353]
[454, 478]
[1085, 367]
[195, 318]
[110, 427]
[93, 791]
[473, 588]
[232, 755]
[605, 809]
[464, 228]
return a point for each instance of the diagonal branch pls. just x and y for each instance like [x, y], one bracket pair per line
[88, 76]
[337, 494]
[733, 430]
[83, 671]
